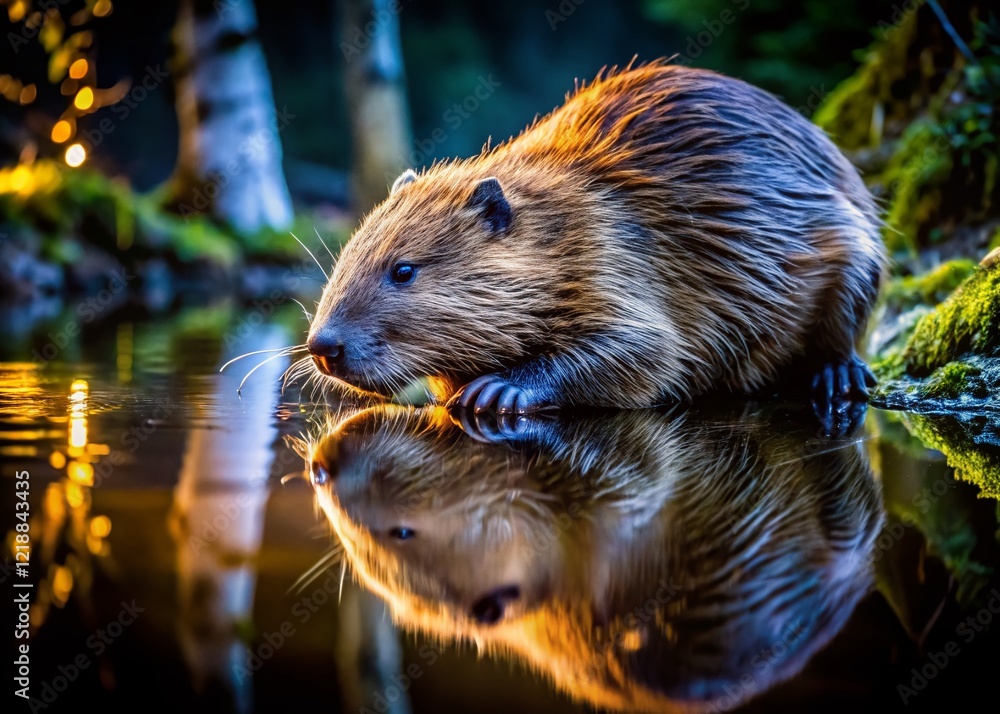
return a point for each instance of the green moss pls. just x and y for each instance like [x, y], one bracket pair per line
[949, 381]
[968, 321]
[888, 367]
[930, 288]
[921, 162]
[854, 112]
[922, 121]
[967, 445]
[71, 208]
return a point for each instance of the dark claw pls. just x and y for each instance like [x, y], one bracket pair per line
[514, 426]
[468, 395]
[860, 377]
[472, 424]
[491, 393]
[507, 402]
[488, 395]
[843, 380]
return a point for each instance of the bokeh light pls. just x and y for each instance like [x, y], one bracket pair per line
[76, 155]
[62, 131]
[84, 99]
[78, 70]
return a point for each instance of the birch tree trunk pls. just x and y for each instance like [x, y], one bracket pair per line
[229, 163]
[376, 96]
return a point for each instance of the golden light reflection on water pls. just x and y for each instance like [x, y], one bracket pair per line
[21, 387]
[68, 539]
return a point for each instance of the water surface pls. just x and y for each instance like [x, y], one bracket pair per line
[724, 557]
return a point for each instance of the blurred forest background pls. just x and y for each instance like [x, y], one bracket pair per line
[183, 142]
[106, 88]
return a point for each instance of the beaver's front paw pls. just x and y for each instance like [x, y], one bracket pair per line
[493, 392]
[842, 380]
[840, 395]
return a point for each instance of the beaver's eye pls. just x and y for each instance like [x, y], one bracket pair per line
[403, 273]
[402, 533]
[319, 474]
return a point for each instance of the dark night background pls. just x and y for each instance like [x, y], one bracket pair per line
[792, 49]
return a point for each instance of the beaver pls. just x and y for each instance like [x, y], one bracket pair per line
[666, 232]
[641, 560]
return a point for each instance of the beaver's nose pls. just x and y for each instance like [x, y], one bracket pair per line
[490, 608]
[327, 350]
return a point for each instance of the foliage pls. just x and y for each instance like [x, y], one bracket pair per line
[780, 45]
[923, 118]
[932, 287]
[71, 214]
[950, 357]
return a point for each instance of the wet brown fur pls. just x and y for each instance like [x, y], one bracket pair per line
[674, 231]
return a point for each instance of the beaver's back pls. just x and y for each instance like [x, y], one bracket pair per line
[748, 230]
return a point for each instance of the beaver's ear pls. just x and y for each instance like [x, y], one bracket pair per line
[488, 198]
[408, 176]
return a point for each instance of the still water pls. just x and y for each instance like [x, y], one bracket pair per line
[195, 549]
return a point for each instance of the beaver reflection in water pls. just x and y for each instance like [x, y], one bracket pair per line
[644, 561]
[666, 233]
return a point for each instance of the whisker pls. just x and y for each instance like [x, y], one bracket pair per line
[318, 265]
[294, 371]
[317, 569]
[260, 352]
[304, 311]
[323, 243]
[239, 389]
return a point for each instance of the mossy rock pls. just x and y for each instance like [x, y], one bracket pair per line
[970, 442]
[966, 323]
[950, 358]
